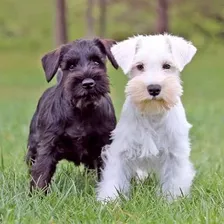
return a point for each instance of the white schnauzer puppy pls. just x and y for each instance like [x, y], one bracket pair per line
[152, 134]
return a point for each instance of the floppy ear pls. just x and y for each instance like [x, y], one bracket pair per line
[183, 51]
[105, 45]
[124, 53]
[50, 63]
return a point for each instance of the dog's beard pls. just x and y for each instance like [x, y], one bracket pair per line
[171, 90]
[87, 101]
[82, 98]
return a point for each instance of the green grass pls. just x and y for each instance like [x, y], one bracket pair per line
[25, 33]
[73, 197]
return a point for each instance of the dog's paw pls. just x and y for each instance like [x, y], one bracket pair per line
[170, 196]
[104, 152]
[107, 195]
[106, 199]
[141, 175]
[115, 199]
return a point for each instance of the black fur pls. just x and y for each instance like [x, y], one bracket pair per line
[72, 122]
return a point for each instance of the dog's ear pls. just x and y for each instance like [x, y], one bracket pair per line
[124, 53]
[183, 51]
[105, 45]
[50, 63]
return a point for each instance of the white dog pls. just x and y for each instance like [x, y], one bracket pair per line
[152, 134]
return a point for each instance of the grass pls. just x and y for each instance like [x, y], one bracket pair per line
[72, 199]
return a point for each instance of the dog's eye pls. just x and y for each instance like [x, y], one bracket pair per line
[140, 67]
[71, 67]
[96, 63]
[166, 66]
[95, 60]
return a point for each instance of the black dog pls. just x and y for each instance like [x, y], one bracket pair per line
[74, 118]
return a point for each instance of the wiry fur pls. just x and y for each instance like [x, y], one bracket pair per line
[72, 122]
[152, 133]
[136, 89]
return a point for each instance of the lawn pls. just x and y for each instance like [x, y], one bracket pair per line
[72, 197]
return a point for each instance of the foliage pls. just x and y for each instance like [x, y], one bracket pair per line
[28, 26]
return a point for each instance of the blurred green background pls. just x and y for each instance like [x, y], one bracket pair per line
[28, 30]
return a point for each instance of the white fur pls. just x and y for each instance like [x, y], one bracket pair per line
[150, 142]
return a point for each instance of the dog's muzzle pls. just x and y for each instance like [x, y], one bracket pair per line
[88, 83]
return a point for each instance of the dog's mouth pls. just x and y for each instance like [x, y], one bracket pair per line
[154, 98]
[92, 93]
[86, 102]
[86, 92]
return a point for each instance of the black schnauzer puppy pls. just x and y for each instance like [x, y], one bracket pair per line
[74, 118]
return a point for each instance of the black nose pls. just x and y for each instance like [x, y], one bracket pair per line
[88, 83]
[154, 90]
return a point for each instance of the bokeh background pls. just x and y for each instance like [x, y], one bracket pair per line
[28, 29]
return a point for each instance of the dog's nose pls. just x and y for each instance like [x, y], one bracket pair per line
[154, 90]
[88, 83]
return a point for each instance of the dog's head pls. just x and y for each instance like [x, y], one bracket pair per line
[153, 64]
[83, 73]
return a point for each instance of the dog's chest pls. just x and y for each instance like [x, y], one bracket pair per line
[153, 137]
[83, 128]
[80, 143]
[85, 134]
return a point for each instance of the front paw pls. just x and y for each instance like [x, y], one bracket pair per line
[141, 175]
[107, 196]
[104, 152]
[110, 194]
[170, 194]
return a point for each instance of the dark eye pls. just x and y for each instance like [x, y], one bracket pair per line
[140, 67]
[96, 63]
[95, 60]
[166, 66]
[71, 67]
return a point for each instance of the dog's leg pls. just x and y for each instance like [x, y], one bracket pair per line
[115, 178]
[42, 171]
[141, 175]
[176, 174]
[97, 166]
[31, 155]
